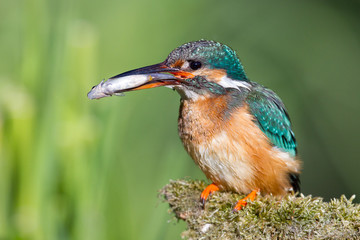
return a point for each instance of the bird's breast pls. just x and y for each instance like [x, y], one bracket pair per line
[203, 129]
[230, 148]
[199, 121]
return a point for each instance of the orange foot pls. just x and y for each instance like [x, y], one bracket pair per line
[207, 192]
[242, 202]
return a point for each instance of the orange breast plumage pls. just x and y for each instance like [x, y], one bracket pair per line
[231, 149]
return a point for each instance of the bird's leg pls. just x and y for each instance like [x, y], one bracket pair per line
[242, 202]
[207, 192]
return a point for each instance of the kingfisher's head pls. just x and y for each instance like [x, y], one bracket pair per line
[194, 69]
[207, 58]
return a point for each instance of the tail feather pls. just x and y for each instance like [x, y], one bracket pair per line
[294, 179]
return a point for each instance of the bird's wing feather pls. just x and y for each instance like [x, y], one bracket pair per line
[272, 118]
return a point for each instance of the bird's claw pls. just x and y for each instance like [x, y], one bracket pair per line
[207, 192]
[243, 202]
[239, 205]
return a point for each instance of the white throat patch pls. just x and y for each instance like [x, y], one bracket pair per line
[229, 83]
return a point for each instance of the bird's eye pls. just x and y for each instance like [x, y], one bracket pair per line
[194, 65]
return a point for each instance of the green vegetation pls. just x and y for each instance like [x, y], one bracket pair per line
[267, 217]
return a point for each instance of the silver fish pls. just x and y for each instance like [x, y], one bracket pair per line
[122, 83]
[114, 86]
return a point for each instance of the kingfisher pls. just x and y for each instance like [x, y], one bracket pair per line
[237, 131]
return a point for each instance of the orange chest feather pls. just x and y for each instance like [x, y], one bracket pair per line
[230, 148]
[201, 120]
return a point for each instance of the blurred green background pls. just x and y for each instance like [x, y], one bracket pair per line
[71, 168]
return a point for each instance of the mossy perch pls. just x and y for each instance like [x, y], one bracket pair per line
[265, 218]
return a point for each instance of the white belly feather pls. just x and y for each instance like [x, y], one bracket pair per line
[218, 161]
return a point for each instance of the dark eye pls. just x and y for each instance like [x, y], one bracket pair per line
[194, 65]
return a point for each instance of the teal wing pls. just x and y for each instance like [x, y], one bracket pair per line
[272, 118]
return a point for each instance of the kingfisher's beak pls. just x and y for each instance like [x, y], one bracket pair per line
[142, 78]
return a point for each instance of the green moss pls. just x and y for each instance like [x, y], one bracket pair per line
[268, 217]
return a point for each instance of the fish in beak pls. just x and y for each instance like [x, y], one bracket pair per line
[142, 78]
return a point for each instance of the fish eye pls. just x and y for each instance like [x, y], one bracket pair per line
[194, 65]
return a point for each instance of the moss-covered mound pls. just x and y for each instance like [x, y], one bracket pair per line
[266, 218]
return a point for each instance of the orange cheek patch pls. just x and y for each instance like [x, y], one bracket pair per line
[213, 75]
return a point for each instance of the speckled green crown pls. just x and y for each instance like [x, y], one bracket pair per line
[213, 55]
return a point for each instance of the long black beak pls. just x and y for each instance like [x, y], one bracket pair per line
[156, 68]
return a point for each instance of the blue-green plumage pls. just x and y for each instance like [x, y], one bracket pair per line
[274, 121]
[272, 117]
[213, 55]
